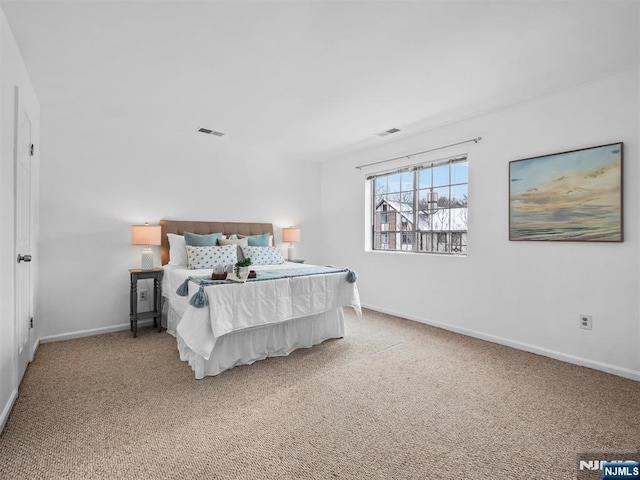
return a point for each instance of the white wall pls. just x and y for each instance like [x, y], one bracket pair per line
[12, 73]
[101, 175]
[525, 294]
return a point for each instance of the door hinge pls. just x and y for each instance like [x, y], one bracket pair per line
[32, 149]
[31, 322]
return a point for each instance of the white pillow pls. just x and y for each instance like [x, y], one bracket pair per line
[177, 250]
[209, 257]
[263, 255]
[234, 241]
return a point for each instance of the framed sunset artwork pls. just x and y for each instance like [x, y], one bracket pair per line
[568, 196]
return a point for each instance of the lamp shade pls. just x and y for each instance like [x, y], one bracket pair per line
[290, 234]
[145, 234]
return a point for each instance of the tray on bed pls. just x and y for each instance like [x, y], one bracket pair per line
[223, 276]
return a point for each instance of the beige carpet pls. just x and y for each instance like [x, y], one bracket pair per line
[392, 400]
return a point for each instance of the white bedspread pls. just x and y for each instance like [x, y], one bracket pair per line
[234, 307]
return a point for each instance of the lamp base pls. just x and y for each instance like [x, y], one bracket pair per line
[147, 259]
[291, 252]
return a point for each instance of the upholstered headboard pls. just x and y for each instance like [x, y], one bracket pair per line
[228, 228]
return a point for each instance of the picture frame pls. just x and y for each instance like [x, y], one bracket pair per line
[568, 196]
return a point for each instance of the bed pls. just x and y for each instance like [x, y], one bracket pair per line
[240, 323]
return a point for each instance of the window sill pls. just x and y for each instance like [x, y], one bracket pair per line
[408, 252]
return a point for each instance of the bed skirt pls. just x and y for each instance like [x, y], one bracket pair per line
[275, 340]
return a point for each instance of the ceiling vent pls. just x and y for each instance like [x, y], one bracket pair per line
[388, 132]
[210, 132]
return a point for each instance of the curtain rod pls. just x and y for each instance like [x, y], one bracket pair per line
[475, 140]
[413, 166]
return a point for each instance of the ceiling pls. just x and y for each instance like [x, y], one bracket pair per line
[312, 79]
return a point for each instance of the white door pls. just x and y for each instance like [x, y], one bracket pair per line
[24, 290]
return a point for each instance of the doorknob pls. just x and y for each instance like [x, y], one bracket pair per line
[24, 258]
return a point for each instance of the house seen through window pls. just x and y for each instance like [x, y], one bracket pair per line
[422, 209]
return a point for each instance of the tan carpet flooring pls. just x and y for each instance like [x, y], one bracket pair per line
[394, 399]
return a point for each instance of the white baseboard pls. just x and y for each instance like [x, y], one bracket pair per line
[95, 331]
[583, 362]
[7, 409]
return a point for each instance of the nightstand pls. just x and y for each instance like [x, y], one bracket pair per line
[297, 260]
[156, 313]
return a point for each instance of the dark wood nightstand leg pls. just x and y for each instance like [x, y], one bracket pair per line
[134, 305]
[155, 300]
[157, 303]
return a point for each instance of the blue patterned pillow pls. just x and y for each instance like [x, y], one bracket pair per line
[209, 257]
[210, 240]
[263, 255]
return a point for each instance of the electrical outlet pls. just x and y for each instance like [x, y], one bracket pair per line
[585, 321]
[142, 295]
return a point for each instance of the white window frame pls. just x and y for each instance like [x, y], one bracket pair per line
[419, 236]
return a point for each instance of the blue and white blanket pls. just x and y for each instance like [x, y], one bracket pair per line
[199, 300]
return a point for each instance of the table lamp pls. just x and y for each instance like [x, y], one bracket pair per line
[291, 235]
[146, 235]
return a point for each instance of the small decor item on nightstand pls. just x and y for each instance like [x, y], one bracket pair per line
[146, 235]
[291, 235]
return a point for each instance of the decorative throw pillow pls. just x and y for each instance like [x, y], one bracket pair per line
[209, 257]
[234, 241]
[263, 240]
[259, 240]
[177, 250]
[197, 240]
[263, 255]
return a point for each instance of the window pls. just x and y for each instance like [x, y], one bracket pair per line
[406, 242]
[384, 241]
[422, 209]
